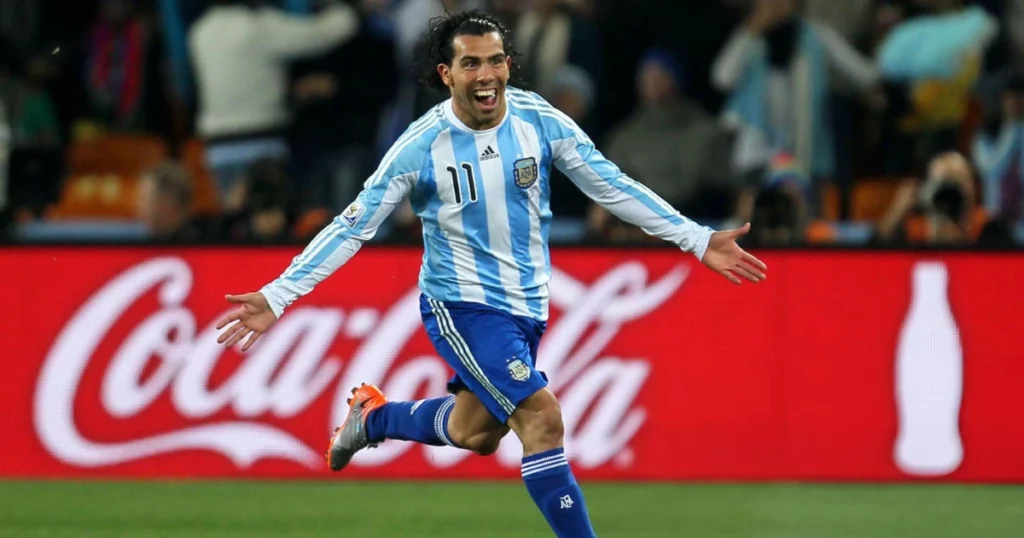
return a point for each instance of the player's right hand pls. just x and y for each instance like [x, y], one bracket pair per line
[253, 317]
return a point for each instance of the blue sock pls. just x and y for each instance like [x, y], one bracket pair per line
[423, 421]
[555, 491]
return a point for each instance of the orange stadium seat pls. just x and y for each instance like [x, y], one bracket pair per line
[103, 176]
[311, 222]
[820, 232]
[120, 154]
[204, 196]
[870, 197]
[98, 196]
[831, 202]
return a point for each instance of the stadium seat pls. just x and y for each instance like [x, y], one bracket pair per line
[870, 197]
[204, 197]
[311, 222]
[820, 232]
[98, 196]
[103, 176]
[121, 154]
[918, 229]
[831, 202]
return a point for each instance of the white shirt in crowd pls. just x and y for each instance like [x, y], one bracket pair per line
[240, 56]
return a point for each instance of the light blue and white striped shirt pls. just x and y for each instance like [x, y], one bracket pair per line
[484, 200]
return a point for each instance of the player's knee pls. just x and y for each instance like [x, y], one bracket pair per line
[543, 428]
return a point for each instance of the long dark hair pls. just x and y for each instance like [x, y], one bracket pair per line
[436, 44]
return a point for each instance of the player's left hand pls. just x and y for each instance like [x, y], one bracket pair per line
[726, 258]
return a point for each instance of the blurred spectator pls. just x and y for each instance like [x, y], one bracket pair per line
[337, 114]
[848, 108]
[776, 220]
[693, 31]
[411, 18]
[574, 92]
[850, 18]
[778, 209]
[268, 205]
[1015, 27]
[126, 88]
[30, 110]
[165, 196]
[20, 27]
[999, 156]
[996, 233]
[930, 62]
[241, 56]
[775, 68]
[941, 210]
[33, 156]
[551, 35]
[672, 146]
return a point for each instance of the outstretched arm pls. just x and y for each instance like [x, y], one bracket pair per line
[328, 251]
[634, 203]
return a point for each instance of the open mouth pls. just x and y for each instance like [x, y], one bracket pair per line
[487, 99]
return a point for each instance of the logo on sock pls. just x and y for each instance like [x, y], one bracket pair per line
[518, 370]
[416, 406]
[566, 502]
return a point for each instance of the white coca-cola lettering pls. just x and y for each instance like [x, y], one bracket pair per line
[291, 367]
[122, 395]
[54, 410]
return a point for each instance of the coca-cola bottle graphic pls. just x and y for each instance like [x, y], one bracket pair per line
[929, 378]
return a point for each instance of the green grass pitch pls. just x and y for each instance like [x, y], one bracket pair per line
[255, 509]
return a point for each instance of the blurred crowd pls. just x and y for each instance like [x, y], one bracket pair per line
[866, 122]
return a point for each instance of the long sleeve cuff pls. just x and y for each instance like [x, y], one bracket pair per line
[277, 297]
[702, 242]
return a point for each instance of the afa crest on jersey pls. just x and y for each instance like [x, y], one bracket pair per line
[519, 370]
[525, 171]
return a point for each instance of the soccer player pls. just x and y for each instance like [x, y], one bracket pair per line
[476, 169]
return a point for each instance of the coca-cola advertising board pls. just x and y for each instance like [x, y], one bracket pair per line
[841, 366]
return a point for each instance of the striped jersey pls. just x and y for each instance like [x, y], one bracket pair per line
[484, 200]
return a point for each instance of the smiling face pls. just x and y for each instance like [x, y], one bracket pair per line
[477, 77]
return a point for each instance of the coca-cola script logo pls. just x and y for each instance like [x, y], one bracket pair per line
[292, 366]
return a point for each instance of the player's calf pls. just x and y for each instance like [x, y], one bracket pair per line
[545, 469]
[372, 419]
[538, 423]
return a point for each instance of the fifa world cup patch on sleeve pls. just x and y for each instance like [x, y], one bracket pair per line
[518, 370]
[352, 213]
[525, 172]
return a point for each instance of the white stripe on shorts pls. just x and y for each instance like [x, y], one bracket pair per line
[455, 340]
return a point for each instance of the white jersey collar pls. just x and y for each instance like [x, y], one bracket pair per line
[449, 114]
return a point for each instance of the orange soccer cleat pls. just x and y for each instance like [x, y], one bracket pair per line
[351, 436]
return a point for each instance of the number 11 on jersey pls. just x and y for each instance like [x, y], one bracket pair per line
[457, 185]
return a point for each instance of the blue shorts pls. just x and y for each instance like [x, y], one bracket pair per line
[492, 352]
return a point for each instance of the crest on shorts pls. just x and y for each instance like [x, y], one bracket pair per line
[519, 370]
[352, 213]
[525, 172]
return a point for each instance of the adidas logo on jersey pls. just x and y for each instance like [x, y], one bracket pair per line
[489, 154]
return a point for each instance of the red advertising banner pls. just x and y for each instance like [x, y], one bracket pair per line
[842, 366]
